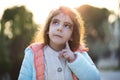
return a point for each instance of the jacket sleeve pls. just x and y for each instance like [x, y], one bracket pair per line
[84, 68]
[26, 70]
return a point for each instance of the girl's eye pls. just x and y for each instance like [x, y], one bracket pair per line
[68, 26]
[55, 22]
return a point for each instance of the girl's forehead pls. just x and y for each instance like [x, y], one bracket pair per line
[63, 17]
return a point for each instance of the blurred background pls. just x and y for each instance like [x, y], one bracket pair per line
[19, 20]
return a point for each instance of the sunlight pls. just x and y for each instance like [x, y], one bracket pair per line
[112, 18]
[41, 8]
[8, 31]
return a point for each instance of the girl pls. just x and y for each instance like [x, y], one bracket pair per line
[62, 55]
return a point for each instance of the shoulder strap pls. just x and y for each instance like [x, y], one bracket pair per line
[37, 49]
[82, 48]
[74, 77]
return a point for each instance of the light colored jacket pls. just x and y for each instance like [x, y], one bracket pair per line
[83, 67]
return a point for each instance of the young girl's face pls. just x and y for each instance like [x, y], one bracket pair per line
[60, 29]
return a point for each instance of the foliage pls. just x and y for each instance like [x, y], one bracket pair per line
[94, 18]
[17, 29]
[95, 23]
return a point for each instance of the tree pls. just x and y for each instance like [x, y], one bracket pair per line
[95, 30]
[17, 29]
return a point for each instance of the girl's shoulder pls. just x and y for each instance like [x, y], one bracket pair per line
[82, 48]
[36, 46]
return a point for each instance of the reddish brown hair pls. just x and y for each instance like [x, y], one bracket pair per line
[78, 27]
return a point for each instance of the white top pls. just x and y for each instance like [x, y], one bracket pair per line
[55, 67]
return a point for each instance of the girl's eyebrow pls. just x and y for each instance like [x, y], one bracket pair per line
[69, 23]
[54, 19]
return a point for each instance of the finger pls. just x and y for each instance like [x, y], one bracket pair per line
[62, 53]
[65, 55]
[67, 45]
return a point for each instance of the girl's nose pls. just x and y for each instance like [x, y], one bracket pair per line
[60, 28]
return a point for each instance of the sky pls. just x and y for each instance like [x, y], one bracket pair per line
[41, 8]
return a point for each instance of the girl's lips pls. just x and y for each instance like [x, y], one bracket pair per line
[58, 35]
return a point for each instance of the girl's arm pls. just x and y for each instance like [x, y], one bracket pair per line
[26, 70]
[84, 68]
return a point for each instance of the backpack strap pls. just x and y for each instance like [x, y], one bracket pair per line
[37, 49]
[74, 76]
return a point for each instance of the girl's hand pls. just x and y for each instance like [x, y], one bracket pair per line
[68, 54]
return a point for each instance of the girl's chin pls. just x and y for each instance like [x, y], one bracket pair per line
[58, 42]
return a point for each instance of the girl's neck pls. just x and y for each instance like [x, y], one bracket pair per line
[57, 47]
